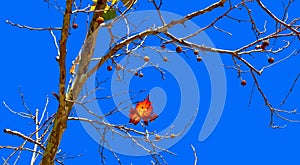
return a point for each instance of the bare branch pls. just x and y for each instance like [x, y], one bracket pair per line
[8, 131]
[290, 91]
[277, 19]
[32, 28]
[195, 154]
[63, 111]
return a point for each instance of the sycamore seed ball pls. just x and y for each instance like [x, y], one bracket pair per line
[157, 137]
[146, 58]
[178, 49]
[75, 26]
[243, 82]
[100, 20]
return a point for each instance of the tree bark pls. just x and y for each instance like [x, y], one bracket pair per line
[61, 117]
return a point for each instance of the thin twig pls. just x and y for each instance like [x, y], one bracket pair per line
[8, 131]
[195, 154]
[32, 28]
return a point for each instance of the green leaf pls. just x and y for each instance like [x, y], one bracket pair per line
[110, 14]
[127, 3]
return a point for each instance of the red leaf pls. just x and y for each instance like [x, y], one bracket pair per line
[143, 110]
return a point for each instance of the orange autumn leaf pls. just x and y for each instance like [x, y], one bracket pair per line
[72, 70]
[144, 111]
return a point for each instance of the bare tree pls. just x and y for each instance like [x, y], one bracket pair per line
[271, 37]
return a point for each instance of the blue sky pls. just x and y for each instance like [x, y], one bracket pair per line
[242, 136]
